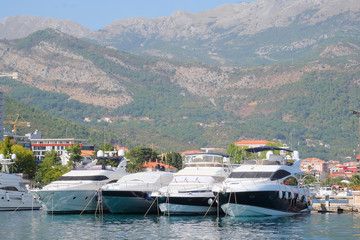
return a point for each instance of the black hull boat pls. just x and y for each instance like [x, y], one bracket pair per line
[267, 187]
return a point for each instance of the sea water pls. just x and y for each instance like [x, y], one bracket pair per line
[40, 225]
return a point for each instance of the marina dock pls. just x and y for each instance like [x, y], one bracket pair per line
[352, 205]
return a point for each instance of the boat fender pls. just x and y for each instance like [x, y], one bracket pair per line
[22, 198]
[148, 196]
[7, 196]
[281, 195]
[210, 201]
[286, 195]
[293, 195]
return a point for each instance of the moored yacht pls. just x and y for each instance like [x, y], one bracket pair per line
[265, 187]
[13, 190]
[77, 190]
[132, 193]
[190, 192]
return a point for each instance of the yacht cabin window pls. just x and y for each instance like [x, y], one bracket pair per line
[291, 181]
[9, 188]
[203, 158]
[83, 178]
[250, 174]
[279, 175]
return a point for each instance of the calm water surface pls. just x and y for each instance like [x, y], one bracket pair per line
[40, 225]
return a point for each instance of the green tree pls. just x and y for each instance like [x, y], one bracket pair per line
[7, 147]
[51, 169]
[309, 178]
[138, 155]
[238, 153]
[174, 159]
[74, 153]
[355, 181]
[25, 160]
[107, 147]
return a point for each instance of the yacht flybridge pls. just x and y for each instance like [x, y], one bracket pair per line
[190, 191]
[265, 187]
[77, 191]
[13, 190]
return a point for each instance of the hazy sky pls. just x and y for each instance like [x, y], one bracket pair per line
[96, 14]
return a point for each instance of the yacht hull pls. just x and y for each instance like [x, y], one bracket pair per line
[188, 205]
[262, 203]
[11, 201]
[69, 201]
[128, 202]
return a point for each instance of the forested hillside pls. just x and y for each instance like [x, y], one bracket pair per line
[53, 127]
[176, 107]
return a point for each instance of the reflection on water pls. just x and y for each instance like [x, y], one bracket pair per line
[38, 225]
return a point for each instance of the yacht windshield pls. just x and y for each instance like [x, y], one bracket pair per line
[250, 174]
[279, 174]
[204, 159]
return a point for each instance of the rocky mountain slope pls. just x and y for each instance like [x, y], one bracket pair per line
[158, 101]
[260, 32]
[51, 61]
[281, 69]
[15, 27]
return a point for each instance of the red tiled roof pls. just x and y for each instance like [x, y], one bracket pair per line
[87, 153]
[313, 160]
[252, 142]
[153, 165]
[121, 148]
[190, 151]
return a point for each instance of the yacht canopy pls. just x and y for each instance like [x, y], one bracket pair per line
[266, 148]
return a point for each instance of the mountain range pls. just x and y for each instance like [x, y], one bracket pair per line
[259, 32]
[276, 69]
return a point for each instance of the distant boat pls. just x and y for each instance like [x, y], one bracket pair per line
[325, 191]
[334, 190]
[132, 193]
[265, 187]
[13, 190]
[77, 190]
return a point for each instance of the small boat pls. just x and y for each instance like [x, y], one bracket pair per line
[265, 187]
[78, 190]
[132, 193]
[190, 192]
[325, 191]
[13, 190]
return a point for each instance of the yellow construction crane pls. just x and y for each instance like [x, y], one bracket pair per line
[18, 123]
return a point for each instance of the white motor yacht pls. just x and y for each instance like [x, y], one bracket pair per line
[13, 190]
[190, 192]
[132, 193]
[265, 187]
[77, 190]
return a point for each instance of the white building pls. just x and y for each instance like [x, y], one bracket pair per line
[39, 146]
